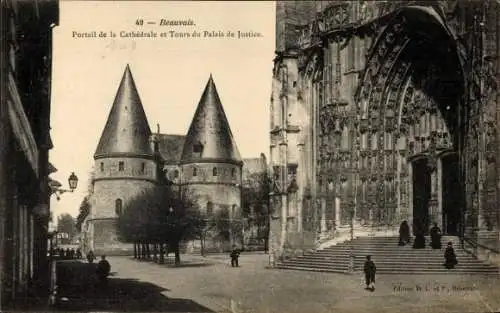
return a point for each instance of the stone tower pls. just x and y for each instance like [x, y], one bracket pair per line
[210, 163]
[124, 166]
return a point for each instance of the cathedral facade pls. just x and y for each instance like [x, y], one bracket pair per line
[384, 111]
[130, 159]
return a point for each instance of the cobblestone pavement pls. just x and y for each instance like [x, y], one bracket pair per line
[212, 283]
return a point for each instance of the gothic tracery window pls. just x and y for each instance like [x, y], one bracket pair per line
[374, 141]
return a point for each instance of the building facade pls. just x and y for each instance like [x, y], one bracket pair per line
[130, 159]
[25, 141]
[384, 111]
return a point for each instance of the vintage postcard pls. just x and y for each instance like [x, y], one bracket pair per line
[250, 156]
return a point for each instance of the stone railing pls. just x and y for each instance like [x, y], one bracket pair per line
[481, 252]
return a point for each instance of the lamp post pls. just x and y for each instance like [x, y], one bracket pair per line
[72, 182]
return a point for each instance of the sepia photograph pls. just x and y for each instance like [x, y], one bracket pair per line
[250, 156]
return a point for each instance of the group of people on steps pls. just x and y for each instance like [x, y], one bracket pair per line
[419, 241]
[450, 257]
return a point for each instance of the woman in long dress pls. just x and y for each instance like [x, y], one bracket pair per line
[435, 237]
[404, 233]
[450, 257]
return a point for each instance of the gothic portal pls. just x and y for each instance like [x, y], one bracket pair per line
[383, 112]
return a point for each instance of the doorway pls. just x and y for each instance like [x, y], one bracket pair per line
[451, 194]
[421, 193]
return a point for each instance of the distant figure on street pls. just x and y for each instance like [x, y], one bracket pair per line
[72, 253]
[78, 253]
[418, 230]
[91, 257]
[450, 256]
[67, 254]
[435, 237]
[103, 269]
[370, 269]
[404, 233]
[235, 254]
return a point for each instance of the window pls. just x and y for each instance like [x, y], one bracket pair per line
[195, 171]
[210, 207]
[121, 166]
[374, 141]
[233, 210]
[176, 174]
[102, 166]
[233, 172]
[143, 167]
[118, 206]
[198, 148]
[364, 141]
[214, 171]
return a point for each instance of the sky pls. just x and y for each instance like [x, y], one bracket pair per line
[170, 74]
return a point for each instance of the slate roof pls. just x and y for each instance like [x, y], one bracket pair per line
[170, 147]
[127, 130]
[209, 137]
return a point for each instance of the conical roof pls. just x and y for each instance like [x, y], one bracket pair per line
[209, 138]
[127, 130]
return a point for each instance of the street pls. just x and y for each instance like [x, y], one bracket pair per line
[211, 285]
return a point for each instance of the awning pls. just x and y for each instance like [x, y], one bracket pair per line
[20, 125]
[52, 168]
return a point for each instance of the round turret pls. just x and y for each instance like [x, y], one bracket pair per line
[124, 166]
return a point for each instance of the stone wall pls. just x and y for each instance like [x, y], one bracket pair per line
[223, 188]
[107, 192]
[105, 238]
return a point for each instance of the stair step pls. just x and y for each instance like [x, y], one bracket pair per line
[389, 258]
[393, 264]
[393, 272]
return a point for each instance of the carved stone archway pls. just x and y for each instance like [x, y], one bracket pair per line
[411, 99]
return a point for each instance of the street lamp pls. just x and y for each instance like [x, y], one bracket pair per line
[72, 182]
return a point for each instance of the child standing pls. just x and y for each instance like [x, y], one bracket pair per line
[370, 269]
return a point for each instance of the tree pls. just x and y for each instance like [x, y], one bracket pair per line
[255, 194]
[66, 225]
[159, 216]
[229, 228]
[84, 211]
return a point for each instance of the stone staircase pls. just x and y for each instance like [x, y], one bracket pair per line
[388, 257]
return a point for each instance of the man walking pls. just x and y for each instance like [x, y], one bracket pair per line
[235, 254]
[370, 269]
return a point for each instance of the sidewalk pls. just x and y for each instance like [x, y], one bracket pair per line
[78, 284]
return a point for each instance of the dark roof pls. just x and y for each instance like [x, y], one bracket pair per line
[127, 130]
[254, 165]
[209, 137]
[170, 147]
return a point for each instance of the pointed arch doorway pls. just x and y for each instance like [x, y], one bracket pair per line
[451, 200]
[421, 182]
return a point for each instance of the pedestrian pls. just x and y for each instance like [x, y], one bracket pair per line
[235, 254]
[418, 231]
[91, 257]
[103, 270]
[78, 253]
[404, 233]
[435, 237]
[450, 256]
[370, 269]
